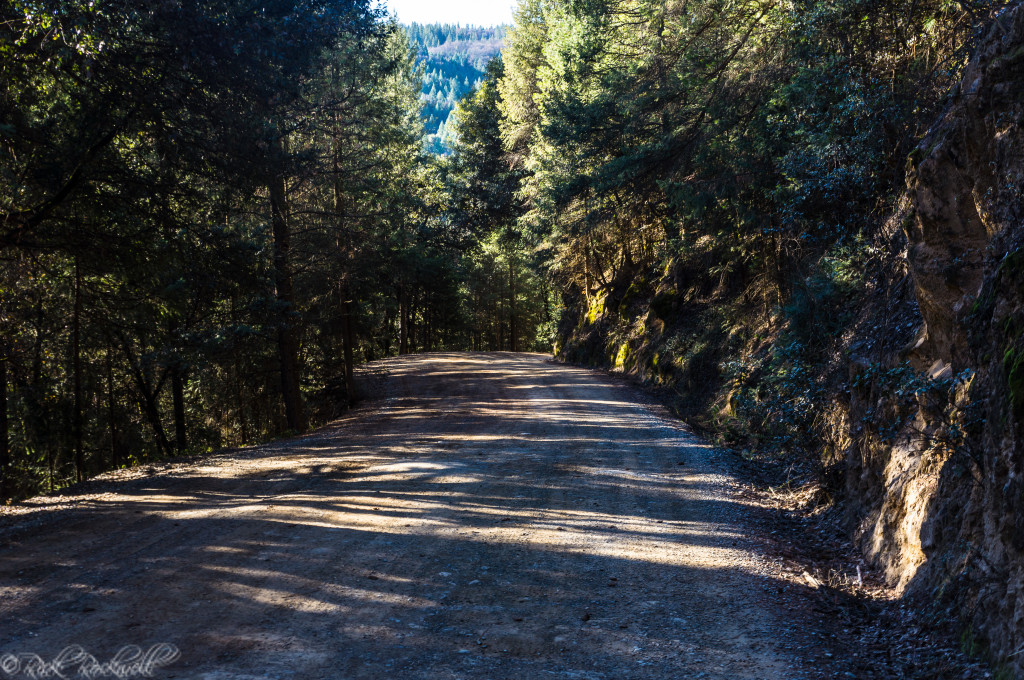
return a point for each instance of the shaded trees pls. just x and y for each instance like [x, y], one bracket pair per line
[507, 296]
[210, 215]
[701, 177]
[183, 184]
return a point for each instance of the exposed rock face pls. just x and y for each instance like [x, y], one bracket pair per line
[943, 501]
[967, 189]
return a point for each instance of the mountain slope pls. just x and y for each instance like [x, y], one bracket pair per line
[454, 58]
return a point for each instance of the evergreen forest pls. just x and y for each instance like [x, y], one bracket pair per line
[209, 216]
[453, 59]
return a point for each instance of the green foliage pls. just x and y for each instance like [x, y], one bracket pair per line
[748, 155]
[778, 397]
[664, 303]
[507, 298]
[821, 305]
[209, 214]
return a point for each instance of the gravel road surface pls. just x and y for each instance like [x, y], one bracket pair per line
[488, 516]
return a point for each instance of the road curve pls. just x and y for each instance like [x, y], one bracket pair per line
[490, 516]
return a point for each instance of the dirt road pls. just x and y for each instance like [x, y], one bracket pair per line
[494, 516]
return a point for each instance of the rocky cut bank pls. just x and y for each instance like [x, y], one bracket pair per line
[940, 506]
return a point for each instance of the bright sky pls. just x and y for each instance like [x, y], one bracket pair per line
[465, 12]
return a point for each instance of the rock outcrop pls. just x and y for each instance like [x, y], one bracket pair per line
[941, 504]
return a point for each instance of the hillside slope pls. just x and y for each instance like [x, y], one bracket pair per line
[911, 410]
[962, 485]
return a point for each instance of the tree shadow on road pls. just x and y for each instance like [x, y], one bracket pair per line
[449, 531]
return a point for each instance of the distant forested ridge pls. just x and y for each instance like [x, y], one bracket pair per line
[454, 58]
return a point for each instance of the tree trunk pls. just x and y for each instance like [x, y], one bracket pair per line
[476, 322]
[37, 350]
[152, 411]
[178, 396]
[349, 338]
[115, 459]
[76, 368]
[428, 330]
[288, 332]
[513, 330]
[425, 331]
[5, 445]
[243, 430]
[148, 395]
[344, 243]
[411, 323]
[386, 336]
[239, 386]
[403, 313]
